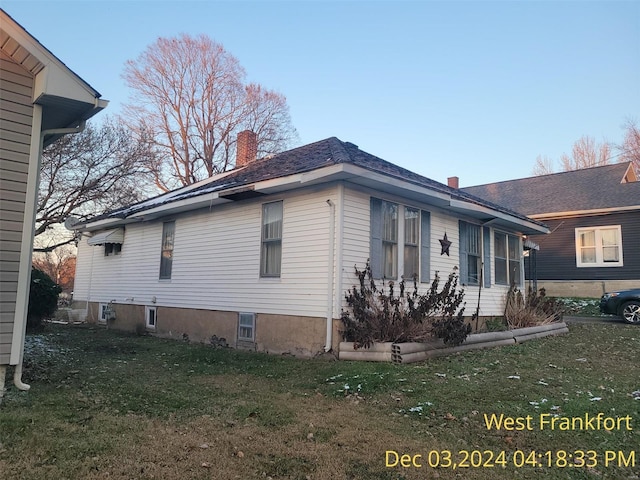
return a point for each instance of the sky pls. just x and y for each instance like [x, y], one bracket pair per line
[473, 89]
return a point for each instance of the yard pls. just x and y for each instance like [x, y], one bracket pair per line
[111, 405]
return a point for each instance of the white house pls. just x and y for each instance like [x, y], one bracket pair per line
[263, 255]
[40, 100]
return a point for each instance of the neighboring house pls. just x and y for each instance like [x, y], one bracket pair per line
[262, 256]
[40, 100]
[594, 218]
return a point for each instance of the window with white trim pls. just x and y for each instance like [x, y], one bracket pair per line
[104, 311]
[399, 244]
[271, 249]
[111, 249]
[507, 258]
[411, 243]
[151, 315]
[389, 240]
[166, 255]
[470, 253]
[599, 246]
[246, 327]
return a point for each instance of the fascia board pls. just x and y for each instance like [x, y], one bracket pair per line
[99, 224]
[187, 204]
[584, 213]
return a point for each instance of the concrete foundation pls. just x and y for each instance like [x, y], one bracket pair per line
[279, 334]
[585, 288]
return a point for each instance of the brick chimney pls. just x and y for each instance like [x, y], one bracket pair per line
[453, 182]
[247, 148]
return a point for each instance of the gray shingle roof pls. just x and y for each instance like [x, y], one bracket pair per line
[588, 189]
[313, 156]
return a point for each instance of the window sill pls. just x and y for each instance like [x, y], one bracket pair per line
[601, 265]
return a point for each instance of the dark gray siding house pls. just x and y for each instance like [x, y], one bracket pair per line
[594, 218]
[40, 100]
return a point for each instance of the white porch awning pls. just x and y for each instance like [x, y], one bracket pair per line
[108, 236]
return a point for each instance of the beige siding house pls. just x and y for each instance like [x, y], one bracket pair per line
[262, 256]
[40, 100]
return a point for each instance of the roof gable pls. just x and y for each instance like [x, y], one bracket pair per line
[597, 188]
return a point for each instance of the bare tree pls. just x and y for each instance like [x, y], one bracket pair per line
[86, 174]
[543, 166]
[586, 153]
[630, 148]
[189, 93]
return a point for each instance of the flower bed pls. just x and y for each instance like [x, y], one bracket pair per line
[416, 351]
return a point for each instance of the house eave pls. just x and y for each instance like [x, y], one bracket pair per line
[332, 173]
[486, 215]
[67, 99]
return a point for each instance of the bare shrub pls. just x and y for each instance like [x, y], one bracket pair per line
[390, 313]
[535, 309]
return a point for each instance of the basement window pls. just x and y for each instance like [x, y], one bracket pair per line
[247, 327]
[103, 312]
[151, 317]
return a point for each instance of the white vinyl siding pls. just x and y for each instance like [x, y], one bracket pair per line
[217, 261]
[16, 113]
[599, 246]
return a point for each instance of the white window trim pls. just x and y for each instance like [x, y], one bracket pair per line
[101, 307]
[147, 311]
[520, 260]
[400, 241]
[599, 263]
[263, 242]
[253, 327]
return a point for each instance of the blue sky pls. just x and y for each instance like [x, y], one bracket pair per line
[474, 89]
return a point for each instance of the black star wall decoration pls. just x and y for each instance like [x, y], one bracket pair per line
[445, 243]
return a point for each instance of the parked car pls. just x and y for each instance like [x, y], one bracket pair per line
[625, 303]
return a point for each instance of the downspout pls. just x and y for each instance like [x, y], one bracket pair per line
[86, 308]
[17, 375]
[330, 274]
[337, 305]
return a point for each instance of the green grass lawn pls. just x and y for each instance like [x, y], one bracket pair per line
[111, 405]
